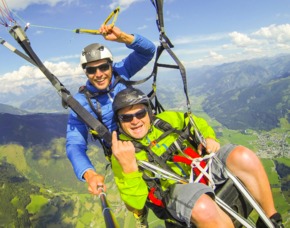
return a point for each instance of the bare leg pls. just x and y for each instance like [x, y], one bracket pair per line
[206, 213]
[244, 163]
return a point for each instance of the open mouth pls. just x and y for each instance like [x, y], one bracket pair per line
[100, 79]
[137, 128]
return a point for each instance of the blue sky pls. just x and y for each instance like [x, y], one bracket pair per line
[203, 32]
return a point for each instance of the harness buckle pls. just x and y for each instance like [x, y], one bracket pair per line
[153, 143]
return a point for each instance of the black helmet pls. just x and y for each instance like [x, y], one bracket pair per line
[95, 52]
[130, 96]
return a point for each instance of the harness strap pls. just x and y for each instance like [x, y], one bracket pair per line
[154, 199]
[173, 148]
[196, 168]
[177, 145]
[97, 110]
[89, 95]
[152, 157]
[156, 194]
[20, 36]
[190, 157]
[165, 44]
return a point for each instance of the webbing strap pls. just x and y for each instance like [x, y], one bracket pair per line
[154, 199]
[181, 69]
[20, 36]
[17, 52]
[165, 44]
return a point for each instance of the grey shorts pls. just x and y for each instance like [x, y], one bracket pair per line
[182, 197]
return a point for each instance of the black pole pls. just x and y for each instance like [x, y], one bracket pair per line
[107, 213]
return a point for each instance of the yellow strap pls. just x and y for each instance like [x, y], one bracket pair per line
[113, 14]
[93, 132]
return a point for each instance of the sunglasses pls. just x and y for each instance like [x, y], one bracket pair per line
[129, 117]
[92, 70]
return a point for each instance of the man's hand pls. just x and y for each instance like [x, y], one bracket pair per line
[212, 146]
[113, 33]
[124, 152]
[95, 182]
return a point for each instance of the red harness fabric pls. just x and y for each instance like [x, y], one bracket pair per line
[193, 154]
[154, 199]
[178, 158]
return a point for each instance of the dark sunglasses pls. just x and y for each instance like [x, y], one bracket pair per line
[129, 117]
[92, 70]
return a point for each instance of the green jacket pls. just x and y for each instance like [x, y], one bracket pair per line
[133, 189]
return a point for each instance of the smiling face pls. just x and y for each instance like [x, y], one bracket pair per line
[101, 78]
[139, 125]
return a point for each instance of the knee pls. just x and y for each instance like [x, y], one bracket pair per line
[243, 158]
[204, 210]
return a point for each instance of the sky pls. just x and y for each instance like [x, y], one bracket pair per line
[203, 32]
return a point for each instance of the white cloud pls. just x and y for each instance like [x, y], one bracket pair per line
[215, 56]
[27, 76]
[242, 40]
[212, 58]
[254, 50]
[269, 40]
[142, 27]
[16, 79]
[23, 4]
[277, 33]
[199, 39]
[234, 46]
[64, 69]
[183, 40]
[124, 4]
[171, 15]
[38, 32]
[284, 46]
[67, 57]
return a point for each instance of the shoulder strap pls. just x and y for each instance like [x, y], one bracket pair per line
[88, 94]
[177, 144]
[67, 99]
[173, 148]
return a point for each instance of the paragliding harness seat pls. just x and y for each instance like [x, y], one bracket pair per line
[156, 197]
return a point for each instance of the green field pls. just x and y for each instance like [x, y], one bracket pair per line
[42, 191]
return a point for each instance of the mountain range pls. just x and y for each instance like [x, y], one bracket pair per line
[12, 110]
[247, 94]
[38, 186]
[31, 129]
[240, 95]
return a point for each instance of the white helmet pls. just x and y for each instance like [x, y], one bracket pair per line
[95, 52]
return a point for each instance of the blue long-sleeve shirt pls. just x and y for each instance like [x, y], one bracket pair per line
[77, 130]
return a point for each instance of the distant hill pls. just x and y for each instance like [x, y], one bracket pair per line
[12, 110]
[236, 75]
[230, 90]
[32, 129]
[48, 101]
[201, 81]
[247, 94]
[258, 107]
